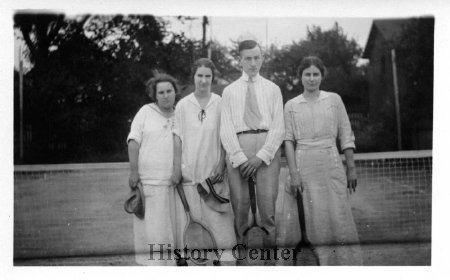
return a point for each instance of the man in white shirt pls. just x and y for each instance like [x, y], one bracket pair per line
[252, 130]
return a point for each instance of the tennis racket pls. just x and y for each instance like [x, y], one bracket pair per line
[255, 230]
[196, 235]
[304, 252]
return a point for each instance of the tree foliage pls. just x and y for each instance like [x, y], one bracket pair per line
[69, 101]
[39, 31]
[87, 81]
[339, 54]
[225, 62]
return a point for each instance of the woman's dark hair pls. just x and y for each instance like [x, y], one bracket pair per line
[311, 61]
[150, 85]
[203, 62]
[247, 45]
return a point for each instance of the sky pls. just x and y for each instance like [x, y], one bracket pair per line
[272, 30]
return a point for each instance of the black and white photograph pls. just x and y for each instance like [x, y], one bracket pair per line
[272, 135]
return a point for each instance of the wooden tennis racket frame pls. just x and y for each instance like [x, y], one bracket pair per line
[191, 220]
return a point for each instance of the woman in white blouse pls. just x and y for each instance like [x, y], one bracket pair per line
[198, 154]
[313, 122]
[150, 151]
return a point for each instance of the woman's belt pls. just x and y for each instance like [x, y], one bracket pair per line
[252, 131]
[315, 143]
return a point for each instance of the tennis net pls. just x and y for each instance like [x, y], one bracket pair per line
[77, 209]
[395, 196]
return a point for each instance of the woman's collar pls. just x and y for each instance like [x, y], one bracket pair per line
[156, 108]
[322, 95]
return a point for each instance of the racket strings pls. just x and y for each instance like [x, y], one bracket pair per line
[199, 241]
[198, 237]
[255, 238]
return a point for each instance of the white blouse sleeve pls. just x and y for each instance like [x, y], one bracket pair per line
[345, 133]
[178, 127]
[137, 127]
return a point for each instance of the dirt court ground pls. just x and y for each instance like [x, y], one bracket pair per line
[76, 217]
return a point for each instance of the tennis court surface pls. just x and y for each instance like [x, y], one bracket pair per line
[73, 214]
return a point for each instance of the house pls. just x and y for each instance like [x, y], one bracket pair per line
[390, 53]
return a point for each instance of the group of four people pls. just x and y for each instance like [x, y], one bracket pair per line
[231, 138]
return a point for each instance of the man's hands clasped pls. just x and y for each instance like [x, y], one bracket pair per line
[249, 168]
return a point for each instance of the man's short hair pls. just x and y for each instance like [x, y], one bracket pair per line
[247, 45]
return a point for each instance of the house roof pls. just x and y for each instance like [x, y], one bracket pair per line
[389, 29]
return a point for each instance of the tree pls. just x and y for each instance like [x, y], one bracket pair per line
[87, 80]
[39, 31]
[226, 64]
[62, 96]
[340, 55]
[83, 90]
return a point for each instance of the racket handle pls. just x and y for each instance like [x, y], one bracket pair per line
[182, 195]
[251, 191]
[301, 216]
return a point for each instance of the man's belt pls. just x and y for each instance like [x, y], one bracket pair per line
[252, 131]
